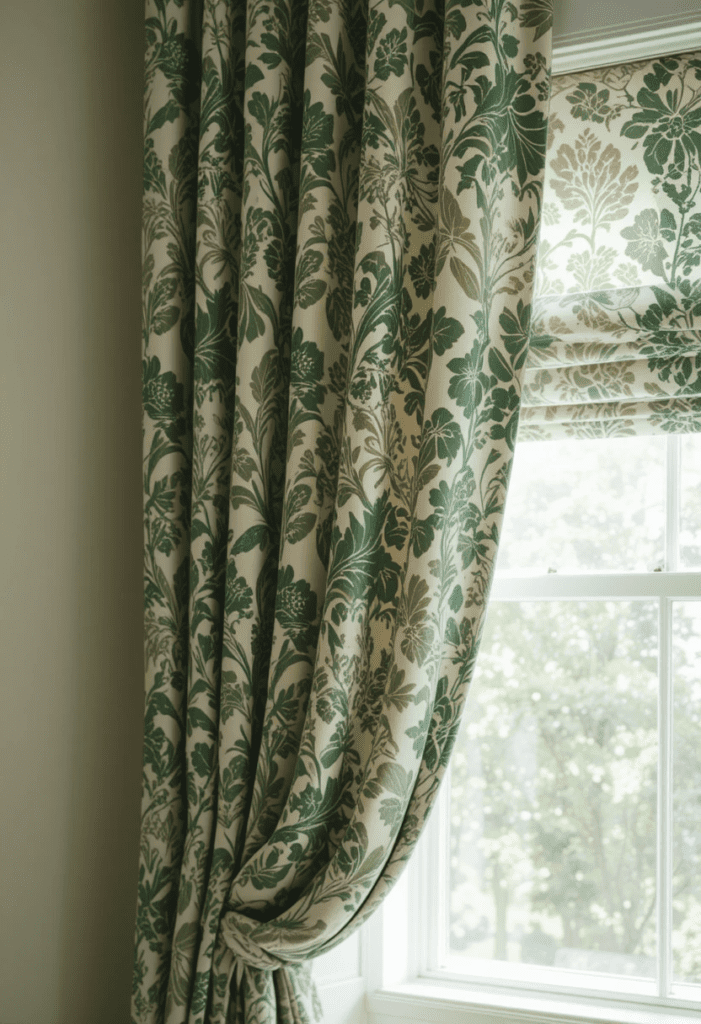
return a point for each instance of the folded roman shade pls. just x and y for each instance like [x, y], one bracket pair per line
[615, 344]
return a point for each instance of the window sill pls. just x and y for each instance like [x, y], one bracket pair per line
[430, 1001]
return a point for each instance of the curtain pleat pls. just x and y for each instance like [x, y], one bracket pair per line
[341, 207]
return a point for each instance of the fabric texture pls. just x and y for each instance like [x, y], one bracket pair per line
[341, 207]
[616, 343]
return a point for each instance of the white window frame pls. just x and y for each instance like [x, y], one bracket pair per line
[411, 975]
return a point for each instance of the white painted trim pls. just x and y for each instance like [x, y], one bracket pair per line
[424, 1003]
[617, 44]
[597, 586]
[343, 1000]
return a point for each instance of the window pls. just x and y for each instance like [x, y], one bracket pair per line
[565, 854]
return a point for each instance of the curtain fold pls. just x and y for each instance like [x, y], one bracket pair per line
[341, 207]
[616, 342]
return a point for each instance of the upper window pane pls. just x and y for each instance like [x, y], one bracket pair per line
[585, 506]
[690, 531]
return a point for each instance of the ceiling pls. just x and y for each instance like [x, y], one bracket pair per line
[590, 33]
[618, 17]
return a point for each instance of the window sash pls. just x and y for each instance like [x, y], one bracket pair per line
[666, 585]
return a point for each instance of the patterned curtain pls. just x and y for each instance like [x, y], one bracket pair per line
[341, 205]
[616, 344]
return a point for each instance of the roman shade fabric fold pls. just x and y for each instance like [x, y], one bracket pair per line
[615, 347]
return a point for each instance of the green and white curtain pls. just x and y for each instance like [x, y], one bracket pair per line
[341, 207]
[616, 344]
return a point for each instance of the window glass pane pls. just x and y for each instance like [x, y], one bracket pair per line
[576, 505]
[553, 799]
[686, 917]
[690, 531]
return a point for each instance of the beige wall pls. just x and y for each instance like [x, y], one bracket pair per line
[70, 507]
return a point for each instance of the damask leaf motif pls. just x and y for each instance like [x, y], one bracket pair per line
[517, 333]
[645, 243]
[454, 231]
[300, 526]
[590, 180]
[165, 319]
[508, 125]
[537, 14]
[445, 330]
[254, 536]
[296, 608]
[443, 435]
[239, 595]
[394, 778]
[465, 278]
[668, 129]
[468, 382]
[417, 634]
[154, 175]
[422, 270]
[391, 54]
[592, 270]
[203, 759]
[183, 945]
[215, 344]
[591, 104]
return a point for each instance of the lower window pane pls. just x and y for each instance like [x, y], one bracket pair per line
[686, 911]
[553, 802]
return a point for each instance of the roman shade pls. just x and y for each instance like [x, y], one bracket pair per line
[615, 345]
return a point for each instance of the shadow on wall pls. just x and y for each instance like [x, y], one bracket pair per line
[70, 490]
[106, 720]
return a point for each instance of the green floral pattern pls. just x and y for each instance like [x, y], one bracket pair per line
[616, 343]
[341, 205]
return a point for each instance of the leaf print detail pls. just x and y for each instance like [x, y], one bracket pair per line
[239, 595]
[645, 242]
[417, 635]
[307, 371]
[590, 103]
[591, 271]
[391, 54]
[318, 135]
[422, 270]
[667, 129]
[590, 181]
[394, 778]
[537, 14]
[443, 436]
[162, 394]
[465, 278]
[468, 383]
[296, 608]
[517, 129]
